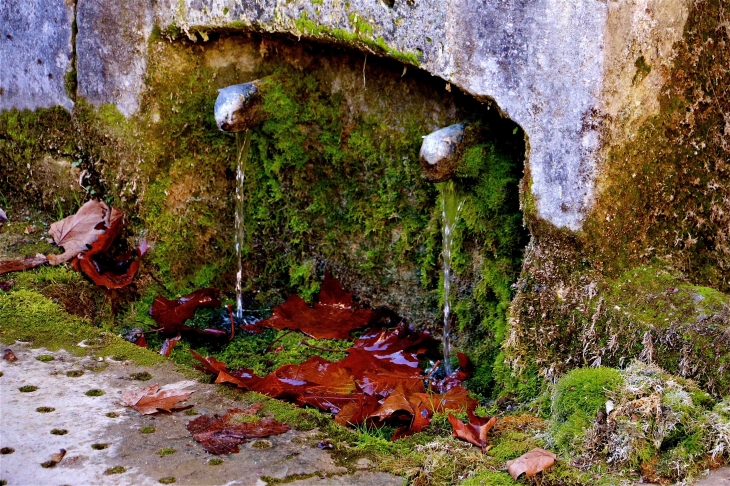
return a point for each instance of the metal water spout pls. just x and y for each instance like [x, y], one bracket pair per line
[440, 152]
[239, 107]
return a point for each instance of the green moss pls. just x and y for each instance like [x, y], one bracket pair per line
[141, 376]
[94, 392]
[28, 316]
[642, 70]
[115, 470]
[261, 444]
[45, 409]
[166, 451]
[584, 390]
[168, 480]
[28, 388]
[45, 358]
[148, 429]
[99, 447]
[112, 414]
[490, 478]
[215, 462]
[74, 373]
[512, 444]
[59, 431]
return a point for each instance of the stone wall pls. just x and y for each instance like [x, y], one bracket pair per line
[564, 70]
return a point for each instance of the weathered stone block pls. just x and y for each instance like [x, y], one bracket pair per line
[36, 53]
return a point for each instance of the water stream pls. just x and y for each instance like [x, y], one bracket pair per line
[451, 205]
[242, 145]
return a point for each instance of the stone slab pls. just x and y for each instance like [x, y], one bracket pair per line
[36, 52]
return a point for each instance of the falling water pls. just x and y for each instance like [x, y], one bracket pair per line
[241, 158]
[450, 207]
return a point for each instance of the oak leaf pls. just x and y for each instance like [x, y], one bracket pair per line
[531, 463]
[167, 346]
[150, 399]
[77, 232]
[332, 317]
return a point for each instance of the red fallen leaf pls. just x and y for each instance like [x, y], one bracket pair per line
[357, 411]
[223, 436]
[141, 342]
[8, 355]
[383, 383]
[171, 314]
[113, 274]
[475, 432]
[531, 463]
[332, 317]
[167, 346]
[76, 232]
[22, 264]
[210, 364]
[149, 400]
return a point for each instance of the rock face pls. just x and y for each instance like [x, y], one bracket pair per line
[563, 70]
[439, 152]
[36, 53]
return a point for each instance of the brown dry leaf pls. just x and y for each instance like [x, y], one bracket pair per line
[21, 264]
[223, 435]
[531, 463]
[475, 431]
[8, 355]
[58, 456]
[75, 233]
[149, 400]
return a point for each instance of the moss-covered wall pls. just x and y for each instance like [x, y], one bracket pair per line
[639, 279]
[332, 181]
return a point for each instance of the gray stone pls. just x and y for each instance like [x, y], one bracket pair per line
[238, 107]
[440, 151]
[563, 70]
[36, 52]
[111, 50]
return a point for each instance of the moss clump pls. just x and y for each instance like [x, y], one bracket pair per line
[112, 414]
[166, 451]
[7, 450]
[656, 427]
[490, 478]
[584, 390]
[59, 431]
[74, 373]
[115, 470]
[191, 412]
[95, 392]
[142, 376]
[45, 358]
[99, 447]
[215, 462]
[168, 480]
[261, 444]
[29, 316]
[577, 399]
[147, 429]
[45, 409]
[27, 388]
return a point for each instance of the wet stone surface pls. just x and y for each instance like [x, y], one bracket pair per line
[101, 435]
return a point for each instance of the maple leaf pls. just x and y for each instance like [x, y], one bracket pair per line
[474, 432]
[149, 400]
[531, 463]
[76, 232]
[222, 435]
[332, 317]
[171, 314]
[210, 364]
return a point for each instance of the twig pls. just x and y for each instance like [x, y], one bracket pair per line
[433, 369]
[322, 349]
[268, 348]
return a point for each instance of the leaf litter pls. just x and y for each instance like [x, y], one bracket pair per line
[151, 399]
[379, 382]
